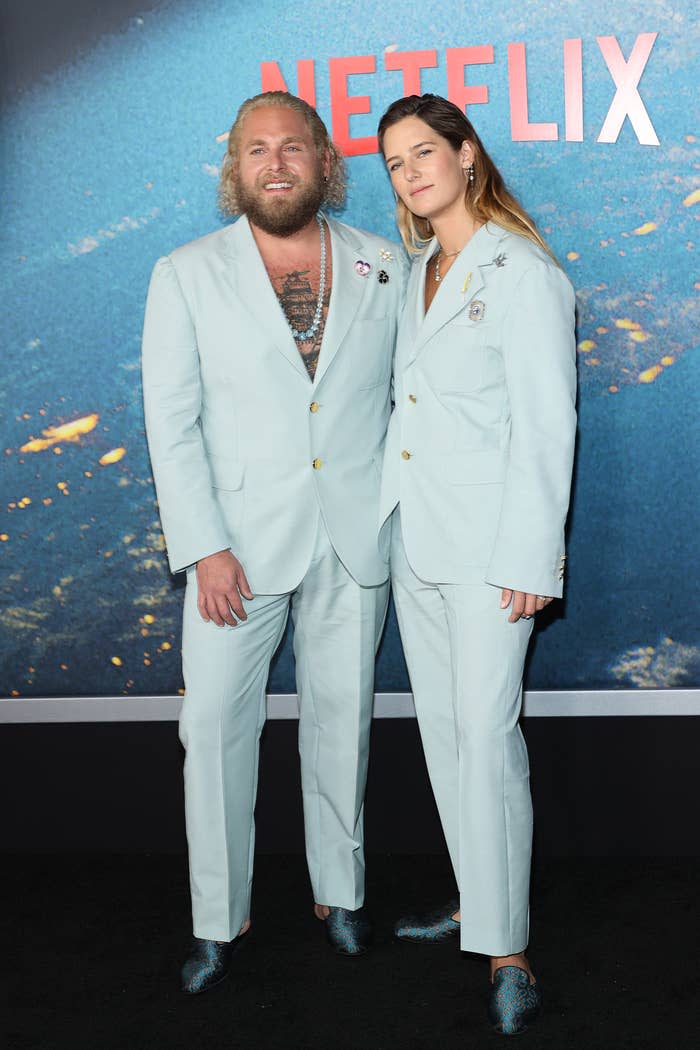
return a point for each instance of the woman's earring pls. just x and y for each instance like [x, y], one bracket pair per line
[469, 174]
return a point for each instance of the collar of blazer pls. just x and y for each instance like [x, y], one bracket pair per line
[256, 295]
[452, 297]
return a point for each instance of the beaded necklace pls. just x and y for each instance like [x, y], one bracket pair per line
[309, 333]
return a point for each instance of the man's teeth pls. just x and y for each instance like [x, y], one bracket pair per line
[278, 186]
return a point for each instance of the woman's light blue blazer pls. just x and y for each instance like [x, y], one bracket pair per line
[480, 446]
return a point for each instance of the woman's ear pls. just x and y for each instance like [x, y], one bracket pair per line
[466, 154]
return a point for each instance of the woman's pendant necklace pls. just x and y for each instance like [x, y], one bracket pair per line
[303, 337]
[448, 255]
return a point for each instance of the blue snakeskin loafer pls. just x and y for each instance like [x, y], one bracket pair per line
[207, 965]
[514, 1002]
[348, 932]
[434, 927]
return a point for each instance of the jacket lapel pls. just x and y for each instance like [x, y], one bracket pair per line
[252, 287]
[347, 293]
[460, 286]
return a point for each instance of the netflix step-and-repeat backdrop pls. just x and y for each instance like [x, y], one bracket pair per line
[114, 125]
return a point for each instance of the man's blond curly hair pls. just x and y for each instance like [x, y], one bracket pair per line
[334, 187]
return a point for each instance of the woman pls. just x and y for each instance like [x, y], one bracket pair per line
[477, 472]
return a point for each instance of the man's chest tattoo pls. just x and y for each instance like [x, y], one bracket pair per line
[298, 296]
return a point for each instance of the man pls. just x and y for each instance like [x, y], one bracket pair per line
[266, 366]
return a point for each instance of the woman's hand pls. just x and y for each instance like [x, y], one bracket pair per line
[523, 605]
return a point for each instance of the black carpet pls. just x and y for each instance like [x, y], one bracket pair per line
[91, 947]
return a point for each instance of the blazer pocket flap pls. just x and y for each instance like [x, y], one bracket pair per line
[476, 468]
[226, 473]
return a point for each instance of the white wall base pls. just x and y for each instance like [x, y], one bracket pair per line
[564, 704]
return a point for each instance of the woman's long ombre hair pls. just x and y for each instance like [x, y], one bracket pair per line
[485, 198]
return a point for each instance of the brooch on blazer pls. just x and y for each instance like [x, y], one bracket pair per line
[500, 260]
[383, 277]
[477, 309]
[385, 255]
[363, 268]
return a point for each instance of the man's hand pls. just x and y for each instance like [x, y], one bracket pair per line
[523, 605]
[221, 585]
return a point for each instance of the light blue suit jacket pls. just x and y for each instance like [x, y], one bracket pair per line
[480, 446]
[231, 431]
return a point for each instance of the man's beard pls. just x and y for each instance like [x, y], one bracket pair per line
[276, 215]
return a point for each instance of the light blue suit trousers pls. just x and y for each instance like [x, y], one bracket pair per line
[465, 662]
[337, 626]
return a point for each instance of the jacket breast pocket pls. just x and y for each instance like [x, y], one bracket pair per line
[372, 351]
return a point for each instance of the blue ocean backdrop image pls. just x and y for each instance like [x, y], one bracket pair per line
[111, 153]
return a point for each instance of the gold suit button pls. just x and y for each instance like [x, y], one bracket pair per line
[313, 407]
[405, 454]
[412, 398]
[316, 464]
